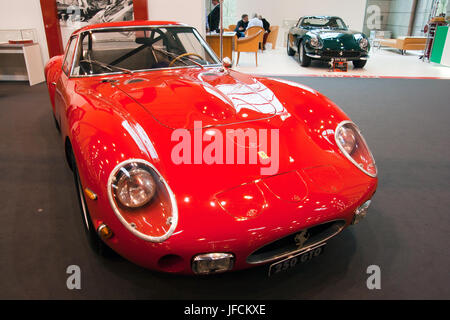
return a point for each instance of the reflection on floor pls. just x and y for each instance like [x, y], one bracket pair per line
[382, 63]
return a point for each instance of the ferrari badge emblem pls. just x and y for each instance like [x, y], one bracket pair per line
[301, 238]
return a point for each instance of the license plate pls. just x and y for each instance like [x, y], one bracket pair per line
[340, 65]
[295, 260]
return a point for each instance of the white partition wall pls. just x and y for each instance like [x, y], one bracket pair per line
[24, 14]
[192, 12]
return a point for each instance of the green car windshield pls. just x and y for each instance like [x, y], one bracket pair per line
[324, 22]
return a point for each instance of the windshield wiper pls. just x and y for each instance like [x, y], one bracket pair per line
[194, 62]
[107, 66]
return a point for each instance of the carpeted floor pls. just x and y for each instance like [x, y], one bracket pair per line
[406, 123]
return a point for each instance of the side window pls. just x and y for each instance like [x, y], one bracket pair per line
[69, 55]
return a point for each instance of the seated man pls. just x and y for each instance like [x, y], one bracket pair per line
[242, 26]
[255, 22]
[266, 26]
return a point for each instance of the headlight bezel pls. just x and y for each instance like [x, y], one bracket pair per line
[366, 46]
[358, 134]
[318, 43]
[117, 209]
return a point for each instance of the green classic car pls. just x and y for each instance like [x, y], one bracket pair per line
[326, 38]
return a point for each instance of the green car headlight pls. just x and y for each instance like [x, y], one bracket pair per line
[364, 43]
[316, 43]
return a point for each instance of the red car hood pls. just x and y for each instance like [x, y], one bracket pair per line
[227, 100]
[177, 99]
[306, 161]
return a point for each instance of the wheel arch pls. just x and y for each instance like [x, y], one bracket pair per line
[68, 150]
[299, 41]
[52, 72]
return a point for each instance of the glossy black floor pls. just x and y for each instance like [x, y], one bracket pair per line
[406, 123]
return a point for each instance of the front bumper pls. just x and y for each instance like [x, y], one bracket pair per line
[217, 232]
[328, 55]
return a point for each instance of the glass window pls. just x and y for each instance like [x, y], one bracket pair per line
[69, 55]
[230, 16]
[139, 49]
[324, 22]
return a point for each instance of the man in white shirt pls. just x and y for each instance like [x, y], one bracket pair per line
[255, 22]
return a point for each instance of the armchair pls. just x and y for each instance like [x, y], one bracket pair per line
[248, 44]
[231, 27]
[254, 30]
[273, 36]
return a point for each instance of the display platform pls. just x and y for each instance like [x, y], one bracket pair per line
[43, 235]
[383, 63]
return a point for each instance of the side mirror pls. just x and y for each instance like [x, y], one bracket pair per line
[227, 63]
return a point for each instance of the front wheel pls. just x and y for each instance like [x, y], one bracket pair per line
[303, 59]
[97, 245]
[358, 64]
[290, 52]
[56, 123]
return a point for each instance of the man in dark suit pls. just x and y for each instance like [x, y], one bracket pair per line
[266, 26]
[214, 16]
[242, 26]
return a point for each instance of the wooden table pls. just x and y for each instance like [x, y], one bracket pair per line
[213, 40]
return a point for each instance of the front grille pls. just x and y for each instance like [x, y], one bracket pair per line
[336, 54]
[288, 245]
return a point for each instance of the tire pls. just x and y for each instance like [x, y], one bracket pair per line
[96, 244]
[303, 59]
[359, 64]
[56, 124]
[290, 52]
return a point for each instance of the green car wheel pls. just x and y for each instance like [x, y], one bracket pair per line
[303, 59]
[290, 52]
[359, 64]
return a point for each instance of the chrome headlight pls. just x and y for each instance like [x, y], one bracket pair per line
[316, 43]
[354, 147]
[346, 139]
[135, 186]
[142, 200]
[363, 43]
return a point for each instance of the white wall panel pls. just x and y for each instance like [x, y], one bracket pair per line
[24, 14]
[192, 12]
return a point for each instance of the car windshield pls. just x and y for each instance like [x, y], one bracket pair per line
[323, 22]
[126, 50]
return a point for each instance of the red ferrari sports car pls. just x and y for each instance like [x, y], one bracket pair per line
[184, 165]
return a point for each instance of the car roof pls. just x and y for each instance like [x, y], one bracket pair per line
[135, 23]
[326, 17]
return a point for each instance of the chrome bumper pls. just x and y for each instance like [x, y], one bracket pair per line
[316, 56]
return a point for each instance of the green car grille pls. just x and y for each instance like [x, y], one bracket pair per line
[341, 54]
